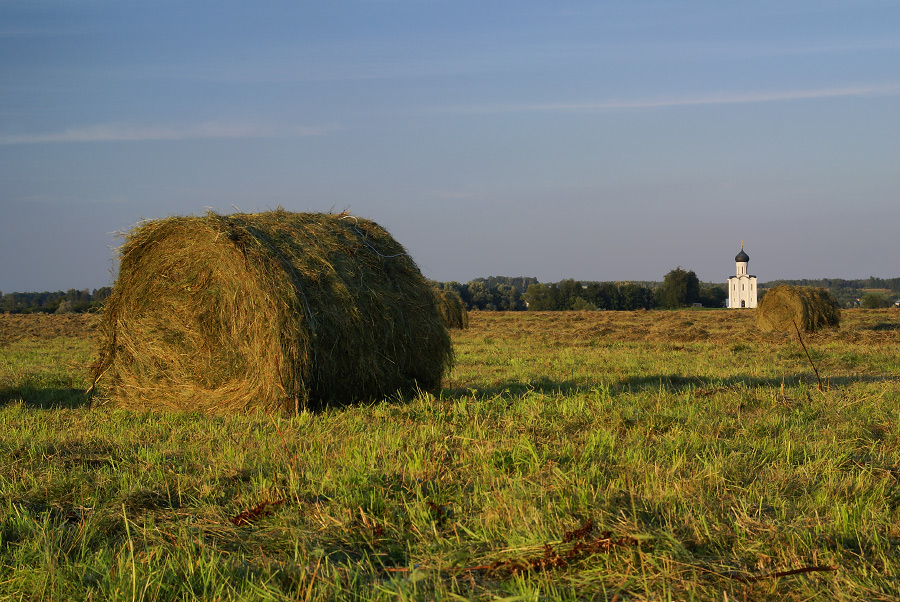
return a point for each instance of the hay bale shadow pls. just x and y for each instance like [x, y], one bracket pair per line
[45, 398]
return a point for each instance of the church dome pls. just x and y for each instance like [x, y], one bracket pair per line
[742, 256]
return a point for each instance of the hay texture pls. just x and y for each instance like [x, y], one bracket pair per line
[276, 311]
[453, 310]
[809, 308]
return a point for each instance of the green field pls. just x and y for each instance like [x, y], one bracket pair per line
[571, 456]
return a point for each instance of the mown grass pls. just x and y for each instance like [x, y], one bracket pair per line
[683, 455]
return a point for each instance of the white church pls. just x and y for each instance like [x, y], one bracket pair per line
[742, 287]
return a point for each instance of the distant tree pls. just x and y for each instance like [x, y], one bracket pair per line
[606, 295]
[481, 296]
[509, 298]
[580, 304]
[539, 298]
[634, 296]
[874, 300]
[713, 296]
[679, 289]
[490, 294]
[566, 292]
[65, 307]
[100, 294]
[520, 282]
[99, 297]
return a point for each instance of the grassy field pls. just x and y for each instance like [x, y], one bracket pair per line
[571, 456]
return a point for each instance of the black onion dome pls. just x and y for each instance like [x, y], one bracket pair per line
[742, 256]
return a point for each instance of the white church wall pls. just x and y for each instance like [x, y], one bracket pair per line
[742, 288]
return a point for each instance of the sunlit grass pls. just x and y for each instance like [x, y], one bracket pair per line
[705, 446]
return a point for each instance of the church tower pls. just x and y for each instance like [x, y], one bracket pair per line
[742, 286]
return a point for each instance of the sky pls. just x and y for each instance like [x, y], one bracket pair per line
[605, 140]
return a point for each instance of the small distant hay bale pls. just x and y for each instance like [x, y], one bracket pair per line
[809, 308]
[273, 311]
[453, 310]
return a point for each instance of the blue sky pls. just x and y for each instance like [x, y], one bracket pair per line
[609, 140]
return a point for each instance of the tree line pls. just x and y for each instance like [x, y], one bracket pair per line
[47, 302]
[679, 288]
[836, 284]
[869, 293]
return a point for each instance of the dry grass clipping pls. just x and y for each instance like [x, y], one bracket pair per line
[786, 308]
[453, 310]
[276, 311]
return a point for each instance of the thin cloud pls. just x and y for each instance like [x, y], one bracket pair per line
[713, 99]
[128, 133]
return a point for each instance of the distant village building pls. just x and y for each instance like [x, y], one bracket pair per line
[742, 287]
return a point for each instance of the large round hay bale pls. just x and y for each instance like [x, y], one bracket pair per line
[809, 308]
[275, 311]
[452, 309]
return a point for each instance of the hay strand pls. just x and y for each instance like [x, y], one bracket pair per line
[275, 311]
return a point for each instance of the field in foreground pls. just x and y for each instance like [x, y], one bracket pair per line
[611, 456]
